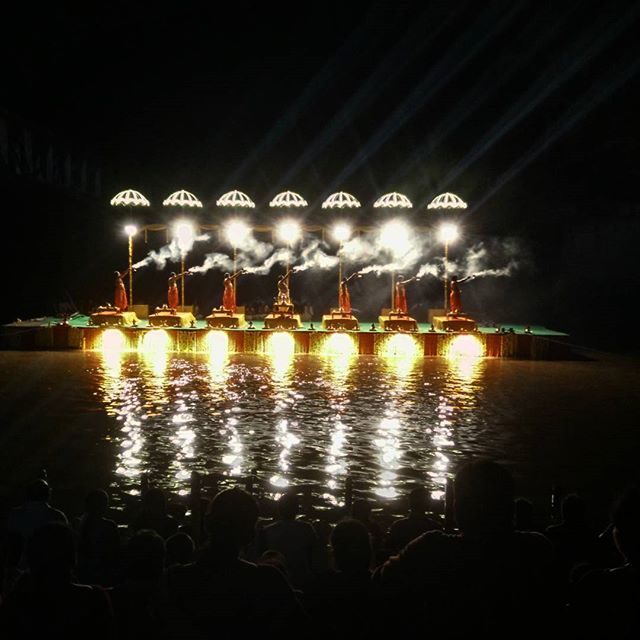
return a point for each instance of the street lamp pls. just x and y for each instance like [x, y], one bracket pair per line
[289, 232]
[394, 236]
[447, 233]
[341, 233]
[236, 233]
[185, 235]
[131, 231]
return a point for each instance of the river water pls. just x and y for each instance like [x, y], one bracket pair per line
[95, 419]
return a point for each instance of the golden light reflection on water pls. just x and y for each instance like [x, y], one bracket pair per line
[401, 354]
[281, 349]
[112, 346]
[155, 351]
[218, 358]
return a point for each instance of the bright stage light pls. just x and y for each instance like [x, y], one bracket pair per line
[339, 344]
[185, 235]
[448, 233]
[218, 344]
[394, 236]
[465, 347]
[400, 345]
[236, 232]
[155, 342]
[281, 344]
[131, 230]
[113, 341]
[288, 231]
[341, 232]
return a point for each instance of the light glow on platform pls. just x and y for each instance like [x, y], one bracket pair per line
[217, 344]
[339, 344]
[113, 342]
[466, 347]
[400, 345]
[155, 348]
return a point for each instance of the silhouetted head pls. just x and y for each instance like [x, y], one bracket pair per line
[523, 514]
[38, 491]
[288, 505]
[117, 274]
[275, 559]
[454, 278]
[226, 275]
[400, 278]
[351, 546]
[155, 501]
[144, 556]
[180, 549]
[483, 497]
[96, 503]
[419, 499]
[173, 274]
[361, 509]
[626, 523]
[51, 553]
[231, 518]
[573, 509]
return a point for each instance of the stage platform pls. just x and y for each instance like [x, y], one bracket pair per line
[506, 341]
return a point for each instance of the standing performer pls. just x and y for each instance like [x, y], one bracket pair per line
[121, 302]
[455, 302]
[229, 292]
[400, 301]
[344, 301]
[173, 297]
[283, 288]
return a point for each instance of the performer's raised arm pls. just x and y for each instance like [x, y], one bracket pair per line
[357, 274]
[238, 273]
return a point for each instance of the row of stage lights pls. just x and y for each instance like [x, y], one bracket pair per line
[286, 199]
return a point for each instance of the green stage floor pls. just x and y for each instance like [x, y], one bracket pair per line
[81, 321]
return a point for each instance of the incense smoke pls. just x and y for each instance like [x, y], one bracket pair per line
[172, 252]
[313, 256]
[214, 261]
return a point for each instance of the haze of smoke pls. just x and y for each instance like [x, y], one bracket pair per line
[214, 261]
[171, 252]
[252, 252]
[428, 270]
[313, 257]
[281, 256]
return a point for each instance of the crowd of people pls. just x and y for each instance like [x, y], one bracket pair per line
[498, 574]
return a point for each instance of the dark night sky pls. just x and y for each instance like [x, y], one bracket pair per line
[528, 110]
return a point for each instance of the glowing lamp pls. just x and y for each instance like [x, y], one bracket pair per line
[288, 231]
[131, 230]
[236, 231]
[448, 233]
[394, 236]
[184, 233]
[342, 232]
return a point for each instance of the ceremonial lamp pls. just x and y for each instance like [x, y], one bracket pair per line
[446, 234]
[289, 232]
[131, 231]
[394, 236]
[236, 232]
[185, 236]
[341, 233]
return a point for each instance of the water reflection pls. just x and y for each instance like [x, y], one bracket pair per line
[388, 421]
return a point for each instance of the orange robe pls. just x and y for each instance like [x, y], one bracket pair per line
[455, 304]
[173, 298]
[401, 298]
[345, 300]
[121, 303]
[229, 295]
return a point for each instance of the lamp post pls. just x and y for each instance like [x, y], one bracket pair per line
[289, 232]
[342, 233]
[131, 231]
[394, 236]
[447, 233]
[185, 236]
[236, 232]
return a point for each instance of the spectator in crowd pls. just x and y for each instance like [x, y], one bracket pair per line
[153, 514]
[416, 523]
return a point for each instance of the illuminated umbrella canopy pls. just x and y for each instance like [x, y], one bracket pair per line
[182, 198]
[235, 199]
[129, 198]
[288, 199]
[340, 200]
[393, 200]
[447, 201]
